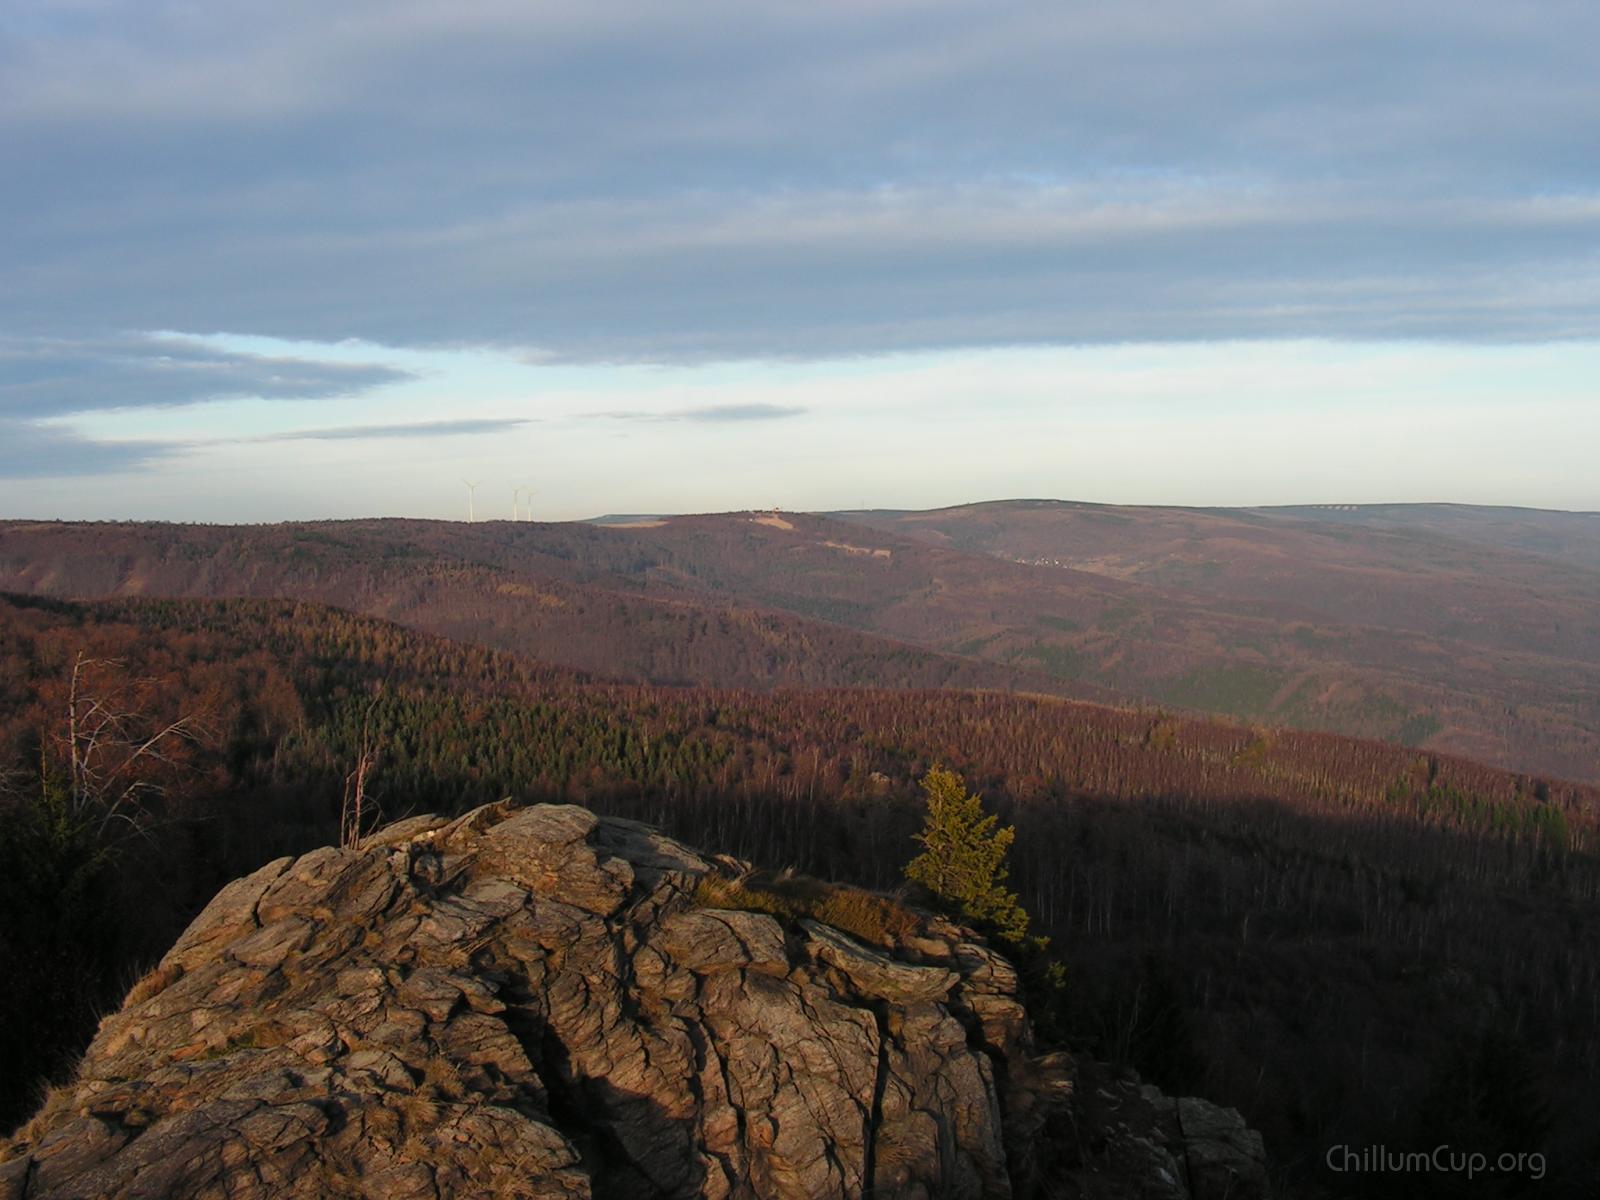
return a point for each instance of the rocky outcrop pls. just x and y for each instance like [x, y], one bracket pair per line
[531, 1002]
[1121, 1139]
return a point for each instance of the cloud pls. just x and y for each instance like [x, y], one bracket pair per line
[739, 412]
[629, 181]
[711, 414]
[43, 450]
[51, 377]
[416, 429]
[30, 451]
[45, 379]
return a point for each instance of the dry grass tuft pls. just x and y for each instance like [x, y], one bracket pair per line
[507, 1185]
[385, 1122]
[872, 918]
[715, 891]
[443, 1077]
[338, 1179]
[878, 920]
[418, 1112]
[56, 1101]
[153, 983]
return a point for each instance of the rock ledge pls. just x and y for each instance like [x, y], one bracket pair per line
[528, 1002]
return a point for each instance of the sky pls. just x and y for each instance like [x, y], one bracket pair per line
[293, 260]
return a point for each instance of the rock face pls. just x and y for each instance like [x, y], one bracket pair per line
[529, 1002]
[1134, 1143]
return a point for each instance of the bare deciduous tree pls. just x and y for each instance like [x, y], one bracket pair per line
[111, 752]
[352, 813]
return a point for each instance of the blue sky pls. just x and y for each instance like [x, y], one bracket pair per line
[266, 261]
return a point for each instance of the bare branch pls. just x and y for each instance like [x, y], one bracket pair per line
[352, 815]
[106, 750]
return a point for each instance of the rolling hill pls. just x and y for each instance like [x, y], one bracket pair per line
[1572, 537]
[1404, 634]
[1482, 624]
[560, 594]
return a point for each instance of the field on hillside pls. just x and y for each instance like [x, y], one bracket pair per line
[1322, 932]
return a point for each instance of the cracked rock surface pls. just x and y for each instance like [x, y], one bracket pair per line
[528, 1002]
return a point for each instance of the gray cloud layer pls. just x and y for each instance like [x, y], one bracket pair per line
[50, 377]
[710, 179]
[30, 451]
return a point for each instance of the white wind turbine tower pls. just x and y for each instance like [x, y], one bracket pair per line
[530, 494]
[472, 495]
[516, 504]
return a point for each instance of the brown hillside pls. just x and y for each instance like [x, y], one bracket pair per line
[1472, 659]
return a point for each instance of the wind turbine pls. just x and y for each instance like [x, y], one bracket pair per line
[516, 508]
[472, 495]
[530, 494]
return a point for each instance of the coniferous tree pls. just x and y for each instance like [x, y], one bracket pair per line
[963, 859]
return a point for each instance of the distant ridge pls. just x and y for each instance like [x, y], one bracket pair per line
[628, 518]
[1446, 628]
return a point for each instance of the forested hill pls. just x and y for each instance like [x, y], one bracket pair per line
[1569, 537]
[559, 594]
[1323, 932]
[1411, 636]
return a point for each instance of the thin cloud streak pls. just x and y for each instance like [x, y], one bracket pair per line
[713, 414]
[416, 429]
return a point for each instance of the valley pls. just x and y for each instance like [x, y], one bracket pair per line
[1405, 634]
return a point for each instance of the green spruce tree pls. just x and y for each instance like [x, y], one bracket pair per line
[963, 859]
